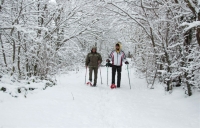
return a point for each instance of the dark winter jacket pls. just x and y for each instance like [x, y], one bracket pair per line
[92, 59]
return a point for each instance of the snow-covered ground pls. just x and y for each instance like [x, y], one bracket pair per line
[72, 104]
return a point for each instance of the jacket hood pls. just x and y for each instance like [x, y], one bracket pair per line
[120, 46]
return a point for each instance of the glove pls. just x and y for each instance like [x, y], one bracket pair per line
[108, 64]
[99, 62]
[126, 62]
[108, 60]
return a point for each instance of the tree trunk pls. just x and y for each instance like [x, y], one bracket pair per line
[1, 4]
[18, 62]
[187, 43]
[14, 48]
[19, 48]
[4, 55]
[198, 31]
[188, 91]
[167, 54]
[197, 17]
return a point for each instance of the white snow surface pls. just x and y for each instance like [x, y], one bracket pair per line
[73, 104]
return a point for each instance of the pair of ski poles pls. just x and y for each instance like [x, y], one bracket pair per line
[107, 75]
[100, 74]
[128, 76]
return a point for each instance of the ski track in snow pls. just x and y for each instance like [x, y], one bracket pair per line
[73, 104]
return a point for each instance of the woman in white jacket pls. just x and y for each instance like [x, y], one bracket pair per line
[117, 56]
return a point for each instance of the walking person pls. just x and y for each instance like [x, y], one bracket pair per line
[93, 60]
[117, 56]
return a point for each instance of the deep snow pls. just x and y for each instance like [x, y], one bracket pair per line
[72, 104]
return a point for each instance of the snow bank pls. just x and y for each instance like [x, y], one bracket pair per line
[18, 88]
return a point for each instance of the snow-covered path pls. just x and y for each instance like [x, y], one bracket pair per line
[72, 104]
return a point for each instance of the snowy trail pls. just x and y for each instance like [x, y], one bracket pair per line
[75, 105]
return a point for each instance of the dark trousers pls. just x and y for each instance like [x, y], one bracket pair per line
[118, 69]
[95, 69]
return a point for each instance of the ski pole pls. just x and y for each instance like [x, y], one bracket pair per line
[129, 77]
[100, 74]
[85, 74]
[107, 75]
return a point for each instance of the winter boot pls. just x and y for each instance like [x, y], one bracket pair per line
[94, 85]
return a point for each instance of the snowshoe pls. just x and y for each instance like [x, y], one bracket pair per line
[89, 83]
[113, 86]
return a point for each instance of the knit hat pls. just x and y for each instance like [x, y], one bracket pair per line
[94, 47]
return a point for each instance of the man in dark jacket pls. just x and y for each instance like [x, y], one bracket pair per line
[117, 56]
[93, 60]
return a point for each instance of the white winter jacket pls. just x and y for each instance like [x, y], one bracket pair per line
[117, 57]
